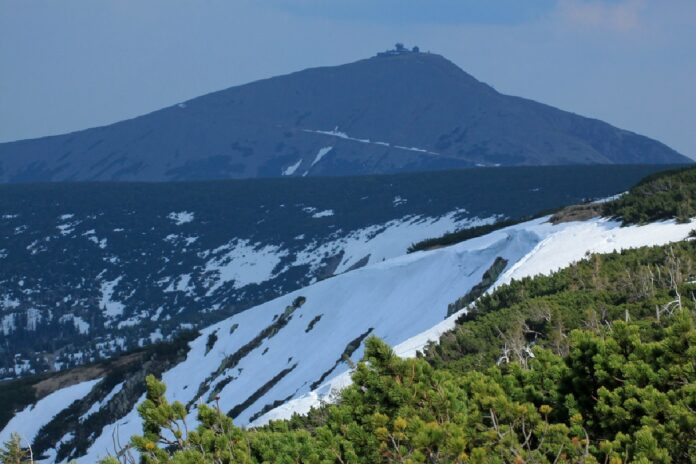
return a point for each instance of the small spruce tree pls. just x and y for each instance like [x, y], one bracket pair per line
[12, 451]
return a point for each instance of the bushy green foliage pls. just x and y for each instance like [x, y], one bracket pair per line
[458, 236]
[665, 195]
[660, 196]
[12, 451]
[596, 363]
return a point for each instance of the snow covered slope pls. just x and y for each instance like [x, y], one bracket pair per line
[552, 248]
[88, 271]
[28, 422]
[286, 355]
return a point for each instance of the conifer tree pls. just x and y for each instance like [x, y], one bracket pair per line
[12, 451]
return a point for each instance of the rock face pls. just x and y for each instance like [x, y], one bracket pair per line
[391, 113]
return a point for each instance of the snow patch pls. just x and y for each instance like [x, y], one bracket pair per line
[322, 152]
[111, 307]
[321, 214]
[243, 263]
[80, 324]
[8, 323]
[383, 241]
[398, 201]
[181, 217]
[344, 136]
[290, 170]
[28, 422]
[181, 284]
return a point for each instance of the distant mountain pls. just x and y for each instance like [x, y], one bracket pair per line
[392, 113]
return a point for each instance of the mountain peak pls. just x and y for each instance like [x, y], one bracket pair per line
[401, 110]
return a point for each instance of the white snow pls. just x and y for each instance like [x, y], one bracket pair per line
[34, 317]
[383, 241]
[290, 170]
[98, 404]
[35, 247]
[398, 201]
[8, 303]
[321, 214]
[156, 336]
[80, 324]
[559, 246]
[570, 244]
[403, 300]
[243, 263]
[320, 154]
[158, 313]
[181, 217]
[28, 422]
[342, 135]
[181, 284]
[390, 300]
[111, 307]
[92, 237]
[67, 228]
[8, 323]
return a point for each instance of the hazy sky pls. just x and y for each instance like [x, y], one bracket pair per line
[72, 64]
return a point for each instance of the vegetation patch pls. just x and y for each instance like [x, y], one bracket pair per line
[215, 391]
[452, 238]
[238, 409]
[666, 195]
[15, 395]
[591, 364]
[210, 343]
[582, 212]
[313, 322]
[231, 361]
[488, 279]
[270, 407]
[130, 371]
[350, 348]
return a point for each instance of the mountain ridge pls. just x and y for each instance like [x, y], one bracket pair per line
[404, 112]
[88, 270]
[279, 352]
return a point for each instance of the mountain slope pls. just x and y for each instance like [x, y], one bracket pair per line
[591, 364]
[91, 270]
[282, 350]
[402, 112]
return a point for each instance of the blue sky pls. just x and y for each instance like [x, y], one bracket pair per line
[73, 64]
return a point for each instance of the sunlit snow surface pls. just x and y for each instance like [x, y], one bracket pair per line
[403, 299]
[29, 421]
[556, 247]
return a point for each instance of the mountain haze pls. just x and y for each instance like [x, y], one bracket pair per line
[396, 112]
